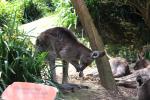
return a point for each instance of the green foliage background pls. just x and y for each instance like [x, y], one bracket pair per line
[18, 59]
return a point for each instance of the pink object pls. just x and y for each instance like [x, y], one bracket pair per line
[29, 91]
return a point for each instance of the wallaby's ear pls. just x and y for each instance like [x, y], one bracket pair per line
[139, 80]
[96, 54]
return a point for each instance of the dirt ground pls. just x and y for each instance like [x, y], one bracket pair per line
[95, 91]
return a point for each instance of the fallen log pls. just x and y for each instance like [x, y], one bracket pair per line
[127, 84]
[130, 80]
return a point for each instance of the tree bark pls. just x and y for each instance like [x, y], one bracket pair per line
[96, 42]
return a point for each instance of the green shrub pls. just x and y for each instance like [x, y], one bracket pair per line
[26, 11]
[18, 63]
[146, 51]
[51, 5]
[67, 13]
[7, 11]
[18, 60]
[118, 50]
[34, 9]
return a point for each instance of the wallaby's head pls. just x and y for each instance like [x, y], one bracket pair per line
[140, 63]
[87, 59]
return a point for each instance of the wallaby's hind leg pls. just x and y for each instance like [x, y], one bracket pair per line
[65, 72]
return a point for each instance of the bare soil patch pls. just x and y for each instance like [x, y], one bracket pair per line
[95, 91]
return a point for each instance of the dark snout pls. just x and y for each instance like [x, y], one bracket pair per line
[80, 70]
[102, 53]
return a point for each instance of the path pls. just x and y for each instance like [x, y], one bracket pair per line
[38, 26]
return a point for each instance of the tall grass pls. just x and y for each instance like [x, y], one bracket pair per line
[18, 60]
[7, 11]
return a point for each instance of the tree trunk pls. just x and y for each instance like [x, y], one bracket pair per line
[96, 42]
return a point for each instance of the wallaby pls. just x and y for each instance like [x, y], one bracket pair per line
[119, 66]
[61, 43]
[141, 63]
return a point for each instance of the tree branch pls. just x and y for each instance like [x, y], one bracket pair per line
[136, 5]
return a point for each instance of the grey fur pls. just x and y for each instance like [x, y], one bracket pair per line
[61, 43]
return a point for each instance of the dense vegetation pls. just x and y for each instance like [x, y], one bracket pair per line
[26, 11]
[121, 25]
[18, 59]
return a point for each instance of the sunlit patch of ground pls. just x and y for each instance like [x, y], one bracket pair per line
[95, 91]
